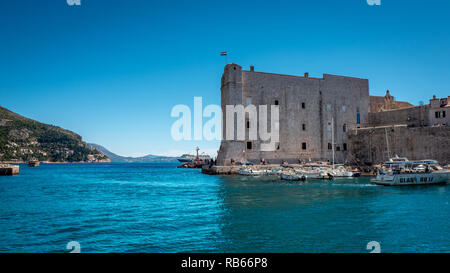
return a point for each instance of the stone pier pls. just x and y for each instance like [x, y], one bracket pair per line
[8, 169]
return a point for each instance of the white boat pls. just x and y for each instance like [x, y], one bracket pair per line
[316, 172]
[292, 176]
[400, 171]
[190, 158]
[271, 172]
[341, 172]
[250, 172]
[313, 175]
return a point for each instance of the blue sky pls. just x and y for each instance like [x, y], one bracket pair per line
[111, 70]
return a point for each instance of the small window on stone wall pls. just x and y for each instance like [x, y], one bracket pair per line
[443, 114]
[248, 101]
[304, 146]
[303, 105]
[248, 124]
[344, 146]
[344, 128]
[344, 108]
[330, 146]
[276, 102]
[328, 107]
[304, 127]
[249, 145]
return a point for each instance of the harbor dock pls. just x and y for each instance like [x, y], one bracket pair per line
[220, 170]
[8, 169]
[234, 169]
[191, 165]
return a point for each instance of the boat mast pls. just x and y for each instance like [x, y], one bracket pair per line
[332, 139]
[387, 143]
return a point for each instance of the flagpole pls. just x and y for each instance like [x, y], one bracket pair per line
[225, 53]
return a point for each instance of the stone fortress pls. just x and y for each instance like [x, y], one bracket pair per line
[311, 108]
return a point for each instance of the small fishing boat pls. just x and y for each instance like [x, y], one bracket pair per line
[401, 171]
[341, 172]
[33, 163]
[271, 172]
[326, 175]
[292, 176]
[316, 171]
[338, 170]
[250, 172]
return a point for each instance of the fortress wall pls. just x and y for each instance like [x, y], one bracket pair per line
[290, 92]
[331, 96]
[413, 116]
[339, 91]
[368, 145]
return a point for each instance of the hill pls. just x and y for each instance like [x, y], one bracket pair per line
[117, 158]
[22, 138]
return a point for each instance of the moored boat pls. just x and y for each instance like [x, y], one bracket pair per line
[247, 171]
[401, 171]
[292, 176]
[33, 163]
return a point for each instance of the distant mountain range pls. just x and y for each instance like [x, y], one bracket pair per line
[117, 158]
[22, 139]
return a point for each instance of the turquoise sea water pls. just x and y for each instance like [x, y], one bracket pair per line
[158, 208]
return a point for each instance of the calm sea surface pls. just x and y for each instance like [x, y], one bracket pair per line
[158, 208]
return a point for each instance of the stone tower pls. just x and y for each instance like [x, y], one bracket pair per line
[231, 94]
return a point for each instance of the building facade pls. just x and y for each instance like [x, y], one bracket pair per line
[415, 132]
[312, 111]
[433, 114]
[439, 111]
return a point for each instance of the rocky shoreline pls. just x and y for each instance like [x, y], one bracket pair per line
[56, 162]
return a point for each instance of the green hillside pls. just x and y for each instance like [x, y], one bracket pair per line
[22, 139]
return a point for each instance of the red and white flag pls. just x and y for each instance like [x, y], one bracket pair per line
[223, 53]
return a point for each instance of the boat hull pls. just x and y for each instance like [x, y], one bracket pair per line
[412, 179]
[292, 177]
[182, 160]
